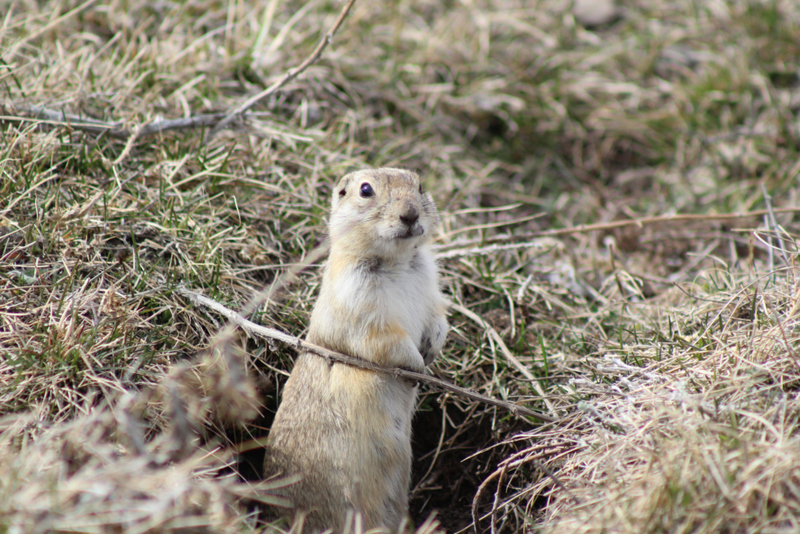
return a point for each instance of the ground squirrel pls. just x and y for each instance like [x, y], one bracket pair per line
[347, 431]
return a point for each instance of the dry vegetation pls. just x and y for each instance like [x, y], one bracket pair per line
[669, 350]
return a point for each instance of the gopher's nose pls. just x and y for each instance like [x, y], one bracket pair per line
[410, 216]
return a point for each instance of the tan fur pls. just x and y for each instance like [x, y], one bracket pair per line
[347, 431]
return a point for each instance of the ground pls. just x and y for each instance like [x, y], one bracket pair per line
[619, 204]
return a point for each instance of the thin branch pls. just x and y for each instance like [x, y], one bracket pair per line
[455, 249]
[114, 129]
[482, 251]
[219, 121]
[254, 330]
[289, 76]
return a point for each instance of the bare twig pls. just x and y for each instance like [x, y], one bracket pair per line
[255, 330]
[482, 251]
[455, 249]
[114, 129]
[218, 120]
[289, 76]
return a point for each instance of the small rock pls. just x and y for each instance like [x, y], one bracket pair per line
[592, 13]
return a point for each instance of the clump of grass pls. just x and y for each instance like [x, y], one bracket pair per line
[122, 464]
[701, 434]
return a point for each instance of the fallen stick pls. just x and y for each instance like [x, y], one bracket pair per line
[455, 249]
[217, 121]
[254, 330]
[114, 129]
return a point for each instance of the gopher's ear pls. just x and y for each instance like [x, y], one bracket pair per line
[340, 191]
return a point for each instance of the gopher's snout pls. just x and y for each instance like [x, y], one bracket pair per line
[410, 215]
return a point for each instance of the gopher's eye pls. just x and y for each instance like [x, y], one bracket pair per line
[342, 192]
[420, 189]
[366, 190]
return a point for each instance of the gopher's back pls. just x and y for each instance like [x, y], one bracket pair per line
[345, 430]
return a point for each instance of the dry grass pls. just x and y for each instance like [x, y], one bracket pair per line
[669, 350]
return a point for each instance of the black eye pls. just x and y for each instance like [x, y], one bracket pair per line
[420, 189]
[342, 192]
[366, 190]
